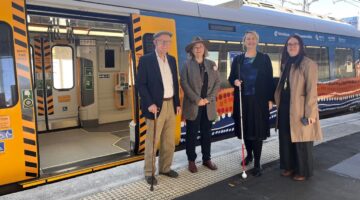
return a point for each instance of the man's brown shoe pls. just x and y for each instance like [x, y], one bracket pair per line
[210, 165]
[192, 167]
[299, 178]
[287, 173]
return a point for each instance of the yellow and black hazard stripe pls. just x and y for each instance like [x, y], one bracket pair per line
[48, 78]
[142, 132]
[24, 81]
[39, 77]
[139, 51]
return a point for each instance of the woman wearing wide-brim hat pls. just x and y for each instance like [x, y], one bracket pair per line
[200, 81]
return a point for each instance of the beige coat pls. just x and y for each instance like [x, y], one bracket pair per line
[303, 101]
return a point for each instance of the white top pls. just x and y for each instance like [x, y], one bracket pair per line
[166, 76]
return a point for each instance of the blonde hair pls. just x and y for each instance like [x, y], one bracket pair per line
[254, 33]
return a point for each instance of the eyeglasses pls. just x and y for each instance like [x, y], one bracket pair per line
[198, 47]
[292, 44]
[163, 42]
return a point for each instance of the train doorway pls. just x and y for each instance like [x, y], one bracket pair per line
[77, 88]
[82, 85]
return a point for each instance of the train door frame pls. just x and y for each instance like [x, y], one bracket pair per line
[92, 16]
[21, 146]
[31, 168]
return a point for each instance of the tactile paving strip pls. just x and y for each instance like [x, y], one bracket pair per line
[168, 188]
[228, 166]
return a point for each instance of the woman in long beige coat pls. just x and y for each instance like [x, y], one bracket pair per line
[298, 115]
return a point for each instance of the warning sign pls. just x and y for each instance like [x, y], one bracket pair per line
[6, 134]
[2, 147]
[64, 98]
[27, 98]
[4, 122]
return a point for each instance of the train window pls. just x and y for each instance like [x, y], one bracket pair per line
[357, 65]
[214, 56]
[63, 67]
[321, 56]
[274, 52]
[8, 87]
[109, 58]
[344, 63]
[230, 58]
[222, 53]
[148, 43]
[32, 63]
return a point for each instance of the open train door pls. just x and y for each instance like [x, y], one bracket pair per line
[54, 90]
[144, 28]
[18, 141]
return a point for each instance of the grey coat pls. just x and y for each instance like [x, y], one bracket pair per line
[191, 84]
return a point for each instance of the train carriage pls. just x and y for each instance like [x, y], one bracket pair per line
[67, 71]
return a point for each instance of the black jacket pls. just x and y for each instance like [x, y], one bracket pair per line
[150, 86]
[264, 85]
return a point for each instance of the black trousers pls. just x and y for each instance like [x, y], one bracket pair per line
[297, 156]
[202, 124]
[253, 149]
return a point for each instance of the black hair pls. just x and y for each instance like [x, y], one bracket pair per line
[285, 55]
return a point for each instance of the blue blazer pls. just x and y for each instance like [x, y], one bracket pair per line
[150, 85]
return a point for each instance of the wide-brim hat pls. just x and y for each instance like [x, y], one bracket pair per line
[196, 40]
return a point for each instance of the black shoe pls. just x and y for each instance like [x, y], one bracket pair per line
[149, 179]
[256, 172]
[171, 174]
[248, 160]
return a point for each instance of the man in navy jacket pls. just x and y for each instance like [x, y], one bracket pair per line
[157, 83]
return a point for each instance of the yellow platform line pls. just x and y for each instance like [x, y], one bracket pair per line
[59, 177]
[33, 183]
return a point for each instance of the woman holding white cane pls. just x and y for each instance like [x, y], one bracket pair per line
[252, 71]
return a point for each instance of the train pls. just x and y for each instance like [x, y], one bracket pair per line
[68, 100]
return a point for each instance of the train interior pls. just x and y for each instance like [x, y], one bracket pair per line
[82, 79]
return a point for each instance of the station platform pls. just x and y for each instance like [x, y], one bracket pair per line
[336, 174]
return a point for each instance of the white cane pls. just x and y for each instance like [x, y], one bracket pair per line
[244, 176]
[153, 155]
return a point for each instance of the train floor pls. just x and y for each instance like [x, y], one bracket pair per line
[71, 149]
[336, 174]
